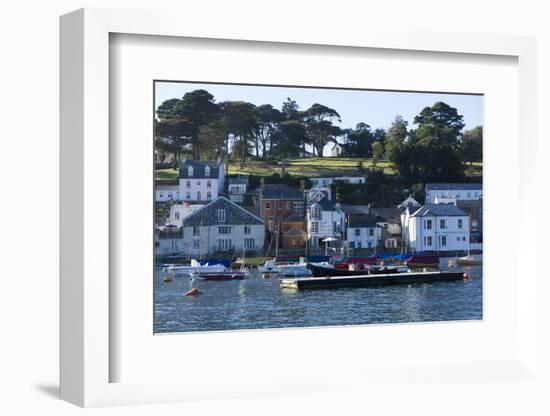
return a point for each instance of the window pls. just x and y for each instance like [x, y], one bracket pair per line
[458, 239]
[196, 231]
[288, 204]
[268, 205]
[249, 244]
[357, 232]
[298, 207]
[335, 227]
[196, 243]
[314, 226]
[359, 244]
[428, 241]
[209, 195]
[209, 184]
[463, 238]
[224, 244]
[224, 230]
[198, 183]
[371, 232]
[207, 171]
[443, 240]
[460, 223]
[247, 229]
[188, 184]
[177, 215]
[352, 244]
[199, 196]
[442, 224]
[188, 195]
[221, 215]
[315, 212]
[190, 171]
[428, 224]
[469, 194]
[170, 196]
[280, 204]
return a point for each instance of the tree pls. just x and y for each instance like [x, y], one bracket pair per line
[320, 128]
[267, 121]
[377, 152]
[358, 141]
[439, 123]
[288, 139]
[431, 153]
[395, 136]
[239, 120]
[472, 145]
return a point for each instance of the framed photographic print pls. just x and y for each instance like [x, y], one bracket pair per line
[285, 213]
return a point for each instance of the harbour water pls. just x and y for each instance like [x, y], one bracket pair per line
[257, 303]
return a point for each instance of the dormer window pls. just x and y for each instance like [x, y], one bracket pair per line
[207, 171]
[315, 212]
[190, 171]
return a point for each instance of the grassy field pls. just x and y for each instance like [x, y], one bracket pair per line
[309, 167]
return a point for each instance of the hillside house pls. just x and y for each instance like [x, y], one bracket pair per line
[200, 180]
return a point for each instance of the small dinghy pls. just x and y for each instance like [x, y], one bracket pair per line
[219, 276]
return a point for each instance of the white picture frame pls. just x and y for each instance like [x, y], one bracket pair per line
[86, 355]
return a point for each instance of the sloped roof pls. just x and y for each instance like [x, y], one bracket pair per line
[410, 201]
[453, 186]
[281, 191]
[294, 218]
[388, 214]
[326, 204]
[355, 209]
[294, 232]
[240, 180]
[439, 210]
[198, 169]
[364, 220]
[208, 215]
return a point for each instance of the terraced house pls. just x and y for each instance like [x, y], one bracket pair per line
[222, 227]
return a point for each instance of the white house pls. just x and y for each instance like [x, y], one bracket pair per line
[165, 193]
[222, 226]
[325, 183]
[437, 227]
[449, 193]
[179, 211]
[237, 188]
[363, 231]
[324, 219]
[200, 180]
[336, 150]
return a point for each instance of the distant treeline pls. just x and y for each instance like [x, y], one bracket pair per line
[196, 126]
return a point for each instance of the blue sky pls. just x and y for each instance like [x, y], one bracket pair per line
[376, 108]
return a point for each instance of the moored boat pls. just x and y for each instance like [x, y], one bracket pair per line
[194, 267]
[229, 275]
[327, 270]
[269, 267]
[469, 260]
[423, 261]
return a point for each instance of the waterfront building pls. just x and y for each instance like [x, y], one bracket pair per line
[278, 201]
[436, 227]
[222, 227]
[200, 180]
[449, 193]
[324, 219]
[363, 231]
[390, 225]
[168, 241]
[294, 232]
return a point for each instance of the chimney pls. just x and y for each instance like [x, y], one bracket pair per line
[302, 185]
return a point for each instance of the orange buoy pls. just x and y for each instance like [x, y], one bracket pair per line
[465, 276]
[192, 292]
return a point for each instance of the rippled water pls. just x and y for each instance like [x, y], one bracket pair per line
[260, 303]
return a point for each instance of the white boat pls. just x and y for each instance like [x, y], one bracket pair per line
[269, 267]
[294, 269]
[469, 260]
[194, 267]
